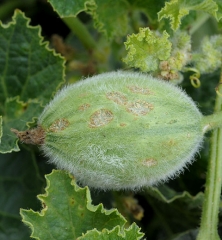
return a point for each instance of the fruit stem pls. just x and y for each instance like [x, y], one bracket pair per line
[212, 121]
[211, 205]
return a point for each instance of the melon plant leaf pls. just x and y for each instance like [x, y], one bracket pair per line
[188, 235]
[175, 10]
[133, 232]
[150, 7]
[146, 49]
[219, 4]
[70, 8]
[109, 18]
[28, 68]
[20, 182]
[168, 195]
[29, 74]
[169, 205]
[75, 213]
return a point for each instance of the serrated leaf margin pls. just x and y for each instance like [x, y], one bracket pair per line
[89, 205]
[42, 42]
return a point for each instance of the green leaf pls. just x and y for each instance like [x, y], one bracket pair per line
[150, 8]
[29, 74]
[27, 67]
[75, 214]
[146, 49]
[219, 13]
[131, 233]
[175, 10]
[174, 212]
[70, 8]
[20, 181]
[109, 18]
[208, 58]
[188, 235]
[168, 195]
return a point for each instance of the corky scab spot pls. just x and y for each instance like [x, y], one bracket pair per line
[100, 118]
[136, 89]
[139, 107]
[59, 125]
[117, 97]
[84, 106]
[150, 162]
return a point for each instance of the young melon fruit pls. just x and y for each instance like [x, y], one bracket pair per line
[119, 130]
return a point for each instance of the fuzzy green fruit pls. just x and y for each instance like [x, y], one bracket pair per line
[120, 130]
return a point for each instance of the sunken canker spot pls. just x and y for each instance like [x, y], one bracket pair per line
[59, 125]
[100, 118]
[84, 106]
[139, 107]
[117, 97]
[136, 89]
[149, 162]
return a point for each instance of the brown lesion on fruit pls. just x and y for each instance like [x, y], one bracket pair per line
[170, 143]
[100, 118]
[139, 107]
[117, 97]
[84, 106]
[149, 162]
[59, 125]
[172, 121]
[122, 124]
[34, 136]
[140, 90]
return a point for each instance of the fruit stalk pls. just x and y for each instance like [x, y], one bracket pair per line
[212, 121]
[209, 219]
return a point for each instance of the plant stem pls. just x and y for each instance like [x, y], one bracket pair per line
[202, 18]
[209, 219]
[80, 30]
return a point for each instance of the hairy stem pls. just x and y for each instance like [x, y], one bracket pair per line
[209, 219]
